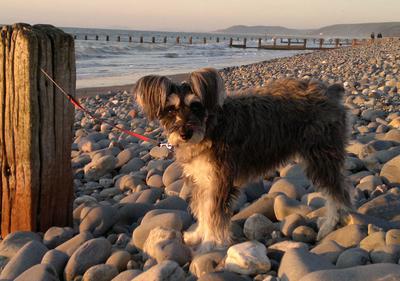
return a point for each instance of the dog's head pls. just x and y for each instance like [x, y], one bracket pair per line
[182, 109]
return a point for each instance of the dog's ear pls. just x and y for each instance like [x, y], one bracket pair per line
[151, 94]
[208, 85]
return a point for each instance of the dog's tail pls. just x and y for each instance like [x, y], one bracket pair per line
[335, 91]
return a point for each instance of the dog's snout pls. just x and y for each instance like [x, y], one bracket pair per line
[186, 133]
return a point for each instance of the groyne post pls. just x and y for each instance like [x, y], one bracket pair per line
[97, 37]
[244, 42]
[205, 40]
[86, 37]
[177, 40]
[36, 124]
[130, 38]
[289, 42]
[107, 38]
[304, 43]
[119, 38]
[321, 42]
[259, 42]
[190, 40]
[165, 40]
[230, 42]
[217, 39]
[141, 39]
[337, 42]
[153, 39]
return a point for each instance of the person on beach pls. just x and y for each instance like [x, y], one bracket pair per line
[379, 35]
[372, 36]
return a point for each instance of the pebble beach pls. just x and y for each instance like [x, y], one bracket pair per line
[131, 208]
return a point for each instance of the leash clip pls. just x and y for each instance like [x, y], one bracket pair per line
[166, 145]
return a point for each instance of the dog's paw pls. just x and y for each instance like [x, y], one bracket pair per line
[192, 238]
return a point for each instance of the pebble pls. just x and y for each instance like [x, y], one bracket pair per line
[264, 206]
[329, 250]
[100, 272]
[92, 252]
[39, 272]
[391, 171]
[373, 240]
[70, 246]
[57, 260]
[55, 236]
[352, 257]
[385, 206]
[223, 276]
[172, 173]
[164, 271]
[247, 258]
[119, 259]
[257, 227]
[14, 241]
[290, 222]
[96, 169]
[206, 263]
[284, 206]
[98, 220]
[127, 275]
[348, 236]
[290, 187]
[304, 234]
[29, 255]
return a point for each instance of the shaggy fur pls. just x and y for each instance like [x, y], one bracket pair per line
[223, 142]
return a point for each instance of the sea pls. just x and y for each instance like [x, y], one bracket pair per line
[108, 63]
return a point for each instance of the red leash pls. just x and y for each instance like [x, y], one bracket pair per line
[72, 100]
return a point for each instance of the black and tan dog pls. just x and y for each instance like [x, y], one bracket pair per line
[223, 142]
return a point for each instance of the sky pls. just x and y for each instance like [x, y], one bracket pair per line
[196, 15]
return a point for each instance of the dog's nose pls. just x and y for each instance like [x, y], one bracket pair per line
[186, 133]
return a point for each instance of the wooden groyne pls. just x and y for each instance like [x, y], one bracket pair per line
[266, 43]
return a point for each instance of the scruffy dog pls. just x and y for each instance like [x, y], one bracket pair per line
[223, 142]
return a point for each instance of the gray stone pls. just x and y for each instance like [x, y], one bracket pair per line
[172, 203]
[391, 171]
[329, 250]
[100, 272]
[155, 180]
[172, 173]
[159, 152]
[165, 271]
[134, 164]
[304, 234]
[290, 222]
[127, 275]
[131, 212]
[92, 252]
[127, 154]
[254, 190]
[284, 206]
[57, 260]
[314, 199]
[223, 276]
[385, 206]
[99, 219]
[353, 164]
[289, 187]
[39, 272]
[247, 258]
[70, 246]
[257, 227]
[371, 272]
[393, 237]
[55, 236]
[14, 241]
[348, 236]
[352, 257]
[385, 254]
[29, 255]
[174, 189]
[149, 196]
[264, 206]
[119, 259]
[129, 182]
[296, 263]
[373, 240]
[206, 263]
[96, 169]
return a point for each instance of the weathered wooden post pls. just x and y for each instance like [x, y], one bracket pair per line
[85, 37]
[259, 42]
[153, 39]
[217, 39]
[108, 38]
[274, 39]
[244, 42]
[190, 40]
[321, 42]
[205, 40]
[177, 40]
[97, 37]
[141, 39]
[119, 38]
[305, 43]
[75, 37]
[130, 38]
[337, 42]
[165, 39]
[35, 128]
[230, 42]
[289, 42]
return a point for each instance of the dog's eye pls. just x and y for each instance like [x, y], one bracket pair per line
[197, 108]
[171, 110]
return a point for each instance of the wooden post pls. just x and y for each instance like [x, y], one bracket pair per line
[321, 42]
[119, 38]
[205, 40]
[108, 38]
[85, 37]
[36, 124]
[259, 42]
[217, 39]
[97, 37]
[141, 39]
[244, 42]
[305, 43]
[230, 42]
[75, 37]
[153, 39]
[289, 42]
[130, 38]
[337, 42]
[165, 39]
[190, 40]
[274, 39]
[177, 40]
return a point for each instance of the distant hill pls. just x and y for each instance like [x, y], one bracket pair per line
[338, 30]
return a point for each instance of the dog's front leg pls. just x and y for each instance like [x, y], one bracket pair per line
[212, 207]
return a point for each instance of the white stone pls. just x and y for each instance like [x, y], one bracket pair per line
[248, 258]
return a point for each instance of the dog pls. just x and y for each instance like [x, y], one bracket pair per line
[223, 142]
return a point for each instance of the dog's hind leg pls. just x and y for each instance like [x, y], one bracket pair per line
[324, 168]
